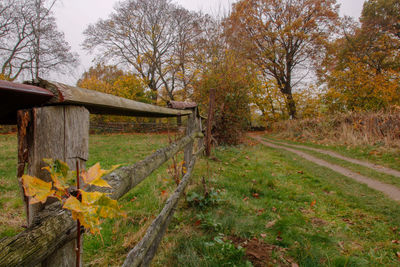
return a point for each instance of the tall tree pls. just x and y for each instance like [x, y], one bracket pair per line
[382, 15]
[281, 37]
[15, 38]
[153, 38]
[361, 70]
[29, 40]
[50, 51]
[112, 80]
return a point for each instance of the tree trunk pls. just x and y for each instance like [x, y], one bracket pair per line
[291, 106]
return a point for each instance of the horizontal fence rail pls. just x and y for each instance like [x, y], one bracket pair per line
[53, 227]
[15, 96]
[144, 251]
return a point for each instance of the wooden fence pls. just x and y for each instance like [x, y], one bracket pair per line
[58, 128]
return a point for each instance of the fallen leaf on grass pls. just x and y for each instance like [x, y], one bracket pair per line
[197, 223]
[313, 203]
[348, 221]
[259, 212]
[273, 209]
[256, 195]
[263, 235]
[133, 199]
[247, 157]
[300, 172]
[270, 224]
[245, 199]
[398, 255]
[395, 241]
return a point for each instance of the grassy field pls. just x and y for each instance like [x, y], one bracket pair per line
[258, 206]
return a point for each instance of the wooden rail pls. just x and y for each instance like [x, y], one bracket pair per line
[145, 250]
[15, 96]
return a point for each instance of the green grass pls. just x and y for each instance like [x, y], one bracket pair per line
[372, 153]
[11, 204]
[349, 225]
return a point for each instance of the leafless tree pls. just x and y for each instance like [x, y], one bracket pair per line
[152, 37]
[29, 40]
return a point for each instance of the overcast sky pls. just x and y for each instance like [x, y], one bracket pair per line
[73, 16]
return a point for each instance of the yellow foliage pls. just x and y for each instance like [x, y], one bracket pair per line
[4, 77]
[359, 87]
[38, 189]
[87, 207]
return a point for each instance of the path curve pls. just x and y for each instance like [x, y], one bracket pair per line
[389, 190]
[373, 166]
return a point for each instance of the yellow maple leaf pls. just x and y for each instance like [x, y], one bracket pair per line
[90, 197]
[93, 176]
[73, 204]
[38, 189]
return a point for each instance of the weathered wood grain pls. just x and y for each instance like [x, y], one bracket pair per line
[59, 132]
[101, 103]
[190, 128]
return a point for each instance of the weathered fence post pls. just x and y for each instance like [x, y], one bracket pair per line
[57, 132]
[210, 119]
[190, 128]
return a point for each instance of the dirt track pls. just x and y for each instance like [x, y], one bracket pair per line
[391, 191]
[375, 167]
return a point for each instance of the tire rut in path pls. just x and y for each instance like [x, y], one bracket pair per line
[373, 166]
[389, 190]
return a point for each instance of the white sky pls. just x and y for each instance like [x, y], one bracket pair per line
[73, 16]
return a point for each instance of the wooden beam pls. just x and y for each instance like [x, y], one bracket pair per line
[101, 103]
[190, 128]
[15, 96]
[144, 251]
[53, 227]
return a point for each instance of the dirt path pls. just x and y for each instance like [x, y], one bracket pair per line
[389, 190]
[375, 167]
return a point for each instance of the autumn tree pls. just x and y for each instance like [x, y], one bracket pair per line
[281, 37]
[232, 78]
[30, 42]
[112, 80]
[361, 70]
[382, 15]
[153, 38]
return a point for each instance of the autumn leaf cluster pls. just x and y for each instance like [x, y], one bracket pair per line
[87, 207]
